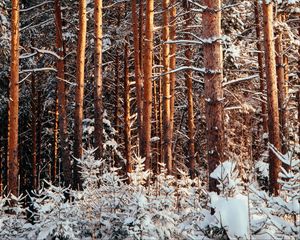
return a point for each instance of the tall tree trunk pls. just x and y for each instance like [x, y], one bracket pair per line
[273, 113]
[148, 58]
[260, 65]
[285, 114]
[189, 85]
[98, 80]
[167, 143]
[117, 103]
[127, 128]
[137, 68]
[79, 93]
[173, 49]
[62, 102]
[34, 132]
[13, 125]
[281, 85]
[156, 130]
[39, 133]
[55, 140]
[141, 40]
[214, 107]
[298, 93]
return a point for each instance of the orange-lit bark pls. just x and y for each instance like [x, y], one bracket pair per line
[281, 86]
[62, 102]
[79, 92]
[147, 108]
[137, 68]
[189, 85]
[127, 128]
[98, 102]
[273, 113]
[167, 143]
[173, 49]
[13, 126]
[260, 65]
[214, 107]
[55, 140]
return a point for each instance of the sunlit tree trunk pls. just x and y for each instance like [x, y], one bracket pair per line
[13, 126]
[273, 113]
[79, 93]
[214, 107]
[189, 85]
[156, 130]
[55, 139]
[127, 128]
[98, 80]
[260, 65]
[167, 143]
[173, 49]
[141, 40]
[148, 58]
[137, 68]
[281, 85]
[62, 102]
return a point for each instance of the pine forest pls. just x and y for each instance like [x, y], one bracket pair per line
[150, 119]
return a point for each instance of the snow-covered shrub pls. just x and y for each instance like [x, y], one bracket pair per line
[278, 216]
[13, 223]
[231, 207]
[228, 178]
[55, 217]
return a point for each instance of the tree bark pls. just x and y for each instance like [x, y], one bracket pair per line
[214, 107]
[98, 80]
[173, 49]
[117, 103]
[167, 143]
[127, 128]
[34, 132]
[281, 85]
[137, 68]
[55, 140]
[298, 94]
[273, 113]
[189, 85]
[62, 102]
[79, 93]
[148, 58]
[260, 65]
[13, 125]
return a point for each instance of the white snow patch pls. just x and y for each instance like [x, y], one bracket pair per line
[232, 214]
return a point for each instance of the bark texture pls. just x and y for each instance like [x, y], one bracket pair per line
[137, 68]
[127, 128]
[148, 58]
[98, 102]
[62, 102]
[214, 107]
[167, 143]
[189, 84]
[260, 64]
[79, 93]
[13, 125]
[273, 113]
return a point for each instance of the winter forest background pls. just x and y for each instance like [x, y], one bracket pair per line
[131, 119]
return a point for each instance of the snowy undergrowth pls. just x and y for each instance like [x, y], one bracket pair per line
[167, 208]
